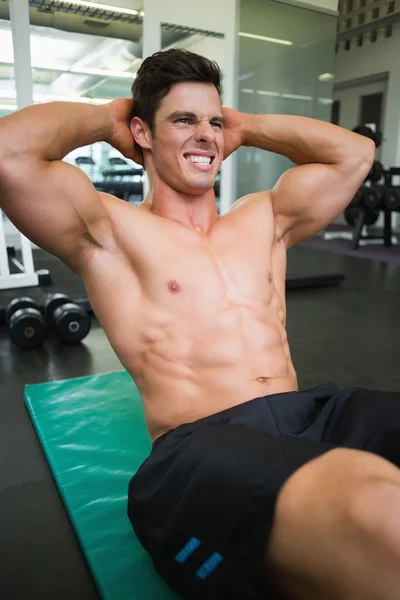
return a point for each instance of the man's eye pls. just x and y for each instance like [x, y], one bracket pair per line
[215, 124]
[183, 120]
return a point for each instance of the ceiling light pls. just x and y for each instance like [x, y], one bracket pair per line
[126, 11]
[8, 94]
[245, 76]
[101, 72]
[265, 39]
[247, 91]
[326, 77]
[297, 97]
[12, 94]
[267, 93]
[81, 71]
[54, 98]
[325, 100]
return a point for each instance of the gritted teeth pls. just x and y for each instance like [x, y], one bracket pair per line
[195, 158]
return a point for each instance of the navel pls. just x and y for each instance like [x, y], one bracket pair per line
[262, 379]
[269, 277]
[174, 287]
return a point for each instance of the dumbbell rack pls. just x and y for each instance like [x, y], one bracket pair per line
[362, 218]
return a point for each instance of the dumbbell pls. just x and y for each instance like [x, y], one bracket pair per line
[392, 199]
[351, 212]
[358, 198]
[70, 322]
[376, 173]
[373, 196]
[26, 324]
[375, 136]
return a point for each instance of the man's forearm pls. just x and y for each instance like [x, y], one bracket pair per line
[50, 131]
[304, 140]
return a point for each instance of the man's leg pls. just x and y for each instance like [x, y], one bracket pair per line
[336, 533]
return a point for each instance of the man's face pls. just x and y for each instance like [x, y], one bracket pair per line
[188, 144]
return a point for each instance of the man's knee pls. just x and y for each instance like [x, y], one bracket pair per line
[376, 509]
[328, 508]
[343, 475]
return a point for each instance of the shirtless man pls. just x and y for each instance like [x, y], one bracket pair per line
[253, 489]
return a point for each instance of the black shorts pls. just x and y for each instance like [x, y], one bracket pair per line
[203, 503]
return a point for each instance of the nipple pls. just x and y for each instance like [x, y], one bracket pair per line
[174, 287]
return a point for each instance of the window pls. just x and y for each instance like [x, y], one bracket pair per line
[285, 83]
[374, 35]
[348, 24]
[390, 7]
[375, 13]
[90, 68]
[349, 5]
[362, 3]
[360, 40]
[8, 92]
[360, 19]
[336, 48]
[347, 45]
[388, 31]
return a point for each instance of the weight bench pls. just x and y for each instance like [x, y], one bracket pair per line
[93, 433]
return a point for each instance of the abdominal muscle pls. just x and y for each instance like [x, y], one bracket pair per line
[190, 369]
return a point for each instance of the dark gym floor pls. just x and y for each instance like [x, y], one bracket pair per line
[349, 334]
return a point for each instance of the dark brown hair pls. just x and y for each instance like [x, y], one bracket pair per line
[159, 72]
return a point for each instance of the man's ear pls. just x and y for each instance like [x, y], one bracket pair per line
[141, 133]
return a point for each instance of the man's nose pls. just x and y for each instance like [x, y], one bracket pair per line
[204, 132]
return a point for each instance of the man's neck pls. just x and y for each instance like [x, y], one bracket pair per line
[195, 212]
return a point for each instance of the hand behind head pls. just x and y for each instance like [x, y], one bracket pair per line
[233, 130]
[121, 138]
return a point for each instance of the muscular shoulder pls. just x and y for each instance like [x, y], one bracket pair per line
[257, 208]
[254, 212]
[124, 217]
[105, 238]
[256, 201]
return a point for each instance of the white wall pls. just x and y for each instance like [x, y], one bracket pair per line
[350, 101]
[371, 60]
[350, 104]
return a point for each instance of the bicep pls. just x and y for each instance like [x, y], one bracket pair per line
[307, 198]
[54, 204]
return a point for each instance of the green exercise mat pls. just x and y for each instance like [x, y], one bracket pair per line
[93, 432]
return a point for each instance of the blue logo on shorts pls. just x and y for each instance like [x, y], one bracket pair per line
[206, 568]
[187, 550]
[209, 566]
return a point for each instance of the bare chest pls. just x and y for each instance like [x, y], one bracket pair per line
[184, 273]
[171, 273]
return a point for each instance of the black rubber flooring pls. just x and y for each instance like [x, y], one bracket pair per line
[348, 334]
